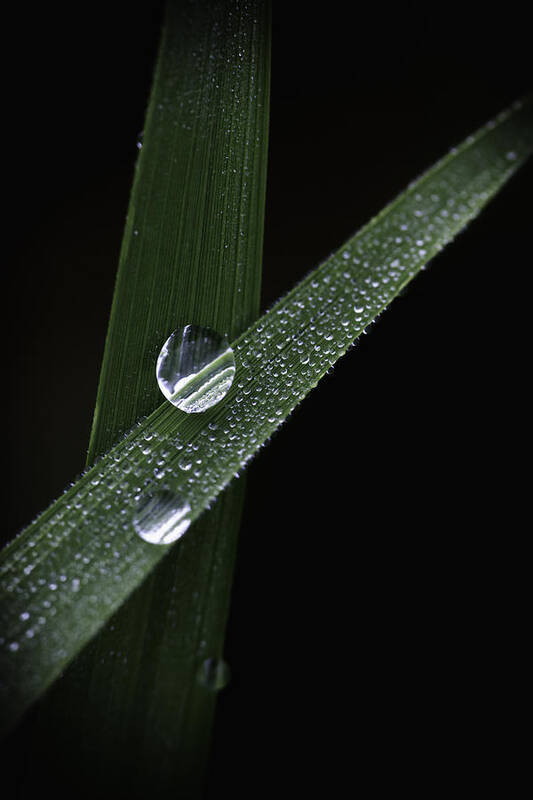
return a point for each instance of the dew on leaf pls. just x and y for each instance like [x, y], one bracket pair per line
[161, 517]
[214, 674]
[195, 368]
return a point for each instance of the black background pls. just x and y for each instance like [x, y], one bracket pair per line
[375, 553]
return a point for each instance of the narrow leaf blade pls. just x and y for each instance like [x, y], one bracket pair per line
[280, 359]
[131, 704]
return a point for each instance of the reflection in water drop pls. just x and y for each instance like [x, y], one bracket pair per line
[161, 517]
[214, 674]
[195, 368]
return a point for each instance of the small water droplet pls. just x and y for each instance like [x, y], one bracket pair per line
[214, 674]
[161, 517]
[195, 368]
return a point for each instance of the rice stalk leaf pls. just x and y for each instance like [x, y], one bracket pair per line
[280, 358]
[191, 253]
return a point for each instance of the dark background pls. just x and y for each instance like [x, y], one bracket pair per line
[376, 553]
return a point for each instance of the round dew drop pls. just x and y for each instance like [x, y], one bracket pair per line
[161, 517]
[195, 368]
[214, 674]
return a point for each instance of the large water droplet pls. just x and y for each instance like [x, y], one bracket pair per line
[161, 517]
[214, 674]
[195, 368]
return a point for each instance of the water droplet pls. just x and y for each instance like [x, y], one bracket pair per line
[214, 674]
[195, 368]
[161, 517]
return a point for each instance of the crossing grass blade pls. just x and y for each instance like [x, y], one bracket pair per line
[280, 358]
[191, 253]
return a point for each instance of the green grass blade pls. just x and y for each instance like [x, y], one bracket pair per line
[193, 239]
[191, 252]
[279, 359]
